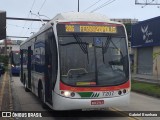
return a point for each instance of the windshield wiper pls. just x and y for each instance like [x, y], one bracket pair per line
[70, 43]
[105, 48]
[70, 74]
[77, 75]
[83, 45]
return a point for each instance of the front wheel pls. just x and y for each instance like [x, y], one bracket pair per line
[41, 96]
[25, 85]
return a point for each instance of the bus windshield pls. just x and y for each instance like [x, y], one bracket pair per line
[93, 60]
[16, 58]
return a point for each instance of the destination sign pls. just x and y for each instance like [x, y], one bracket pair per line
[64, 29]
[90, 28]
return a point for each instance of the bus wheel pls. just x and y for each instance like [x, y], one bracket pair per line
[25, 85]
[41, 95]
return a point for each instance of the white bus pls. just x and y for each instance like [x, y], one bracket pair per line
[77, 61]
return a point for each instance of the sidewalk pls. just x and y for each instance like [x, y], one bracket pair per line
[5, 93]
[146, 78]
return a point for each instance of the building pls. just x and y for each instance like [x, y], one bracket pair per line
[10, 45]
[128, 23]
[125, 21]
[145, 41]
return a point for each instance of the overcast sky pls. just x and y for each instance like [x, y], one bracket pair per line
[49, 8]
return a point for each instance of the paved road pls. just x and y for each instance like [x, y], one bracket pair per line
[23, 101]
[141, 103]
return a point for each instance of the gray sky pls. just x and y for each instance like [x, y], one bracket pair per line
[21, 8]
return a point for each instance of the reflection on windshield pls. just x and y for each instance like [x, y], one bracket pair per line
[93, 60]
[16, 58]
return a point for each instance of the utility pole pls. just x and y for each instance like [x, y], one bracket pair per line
[78, 5]
[5, 46]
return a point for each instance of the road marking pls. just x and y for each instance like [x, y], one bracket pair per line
[123, 113]
[2, 89]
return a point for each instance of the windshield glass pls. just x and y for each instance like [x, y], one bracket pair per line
[96, 61]
[16, 58]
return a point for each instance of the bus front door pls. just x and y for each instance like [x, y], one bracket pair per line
[48, 72]
[21, 57]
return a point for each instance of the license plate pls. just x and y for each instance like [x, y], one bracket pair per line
[97, 102]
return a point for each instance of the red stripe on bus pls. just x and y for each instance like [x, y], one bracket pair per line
[79, 89]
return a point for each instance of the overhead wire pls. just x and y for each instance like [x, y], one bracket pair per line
[42, 5]
[19, 26]
[103, 5]
[35, 17]
[41, 9]
[30, 27]
[92, 5]
[28, 16]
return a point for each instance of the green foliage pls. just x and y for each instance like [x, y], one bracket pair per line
[146, 88]
[4, 59]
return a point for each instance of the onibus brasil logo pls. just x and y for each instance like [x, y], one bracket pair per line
[146, 34]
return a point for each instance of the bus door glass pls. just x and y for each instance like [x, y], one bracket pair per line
[21, 63]
[51, 64]
[29, 66]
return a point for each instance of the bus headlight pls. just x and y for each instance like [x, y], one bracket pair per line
[66, 93]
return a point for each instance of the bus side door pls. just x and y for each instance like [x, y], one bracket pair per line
[51, 65]
[29, 66]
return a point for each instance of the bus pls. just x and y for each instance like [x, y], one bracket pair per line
[15, 62]
[78, 61]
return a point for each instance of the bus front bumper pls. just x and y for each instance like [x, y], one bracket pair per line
[63, 103]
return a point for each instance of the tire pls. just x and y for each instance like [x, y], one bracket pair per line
[25, 85]
[41, 95]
